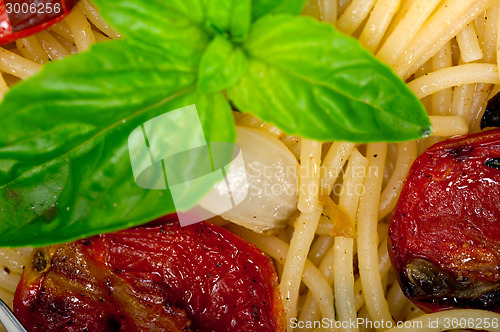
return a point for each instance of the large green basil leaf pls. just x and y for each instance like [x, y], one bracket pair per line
[65, 169]
[330, 88]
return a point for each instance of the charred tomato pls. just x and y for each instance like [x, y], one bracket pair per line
[445, 230]
[161, 277]
[20, 19]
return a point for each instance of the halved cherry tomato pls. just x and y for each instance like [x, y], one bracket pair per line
[445, 231]
[20, 19]
[159, 277]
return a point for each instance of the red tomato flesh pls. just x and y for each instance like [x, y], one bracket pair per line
[445, 231]
[160, 277]
[19, 19]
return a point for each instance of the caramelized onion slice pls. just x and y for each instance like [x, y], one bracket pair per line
[272, 174]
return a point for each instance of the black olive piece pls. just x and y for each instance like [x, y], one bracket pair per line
[491, 117]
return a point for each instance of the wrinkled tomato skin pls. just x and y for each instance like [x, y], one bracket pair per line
[159, 277]
[444, 238]
[25, 24]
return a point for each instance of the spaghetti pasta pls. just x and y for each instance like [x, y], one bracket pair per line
[407, 28]
[441, 100]
[407, 152]
[31, 49]
[377, 24]
[454, 76]
[450, 18]
[80, 29]
[469, 44]
[344, 247]
[51, 46]
[13, 64]
[367, 235]
[354, 15]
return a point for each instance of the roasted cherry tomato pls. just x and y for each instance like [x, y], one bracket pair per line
[158, 277]
[23, 18]
[445, 230]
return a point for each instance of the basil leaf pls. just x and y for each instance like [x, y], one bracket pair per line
[175, 26]
[216, 117]
[96, 86]
[293, 7]
[191, 168]
[229, 18]
[330, 88]
[84, 191]
[221, 65]
[65, 170]
[263, 7]
[123, 14]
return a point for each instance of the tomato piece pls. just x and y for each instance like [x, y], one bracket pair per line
[159, 277]
[20, 19]
[445, 229]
